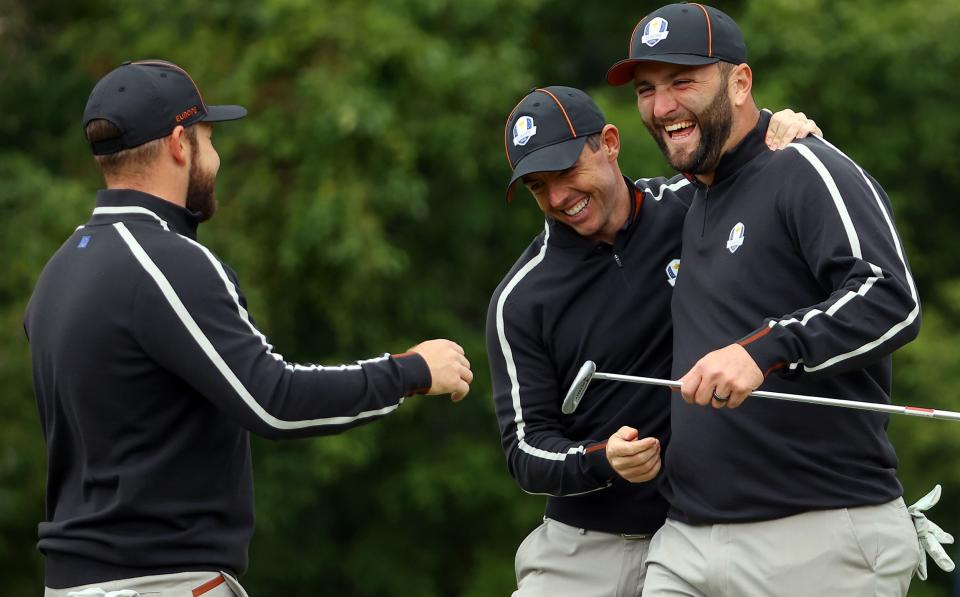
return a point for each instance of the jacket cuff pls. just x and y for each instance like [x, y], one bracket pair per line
[765, 348]
[598, 464]
[415, 375]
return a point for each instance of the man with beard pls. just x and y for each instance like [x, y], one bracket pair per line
[793, 277]
[594, 281]
[149, 373]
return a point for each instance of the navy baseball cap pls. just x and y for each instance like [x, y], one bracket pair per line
[547, 130]
[146, 100]
[687, 33]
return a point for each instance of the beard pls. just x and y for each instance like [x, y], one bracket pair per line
[715, 123]
[200, 197]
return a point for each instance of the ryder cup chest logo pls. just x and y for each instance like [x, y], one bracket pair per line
[673, 268]
[523, 130]
[655, 31]
[736, 237]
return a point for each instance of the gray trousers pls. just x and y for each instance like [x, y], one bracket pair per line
[558, 560]
[851, 552]
[181, 584]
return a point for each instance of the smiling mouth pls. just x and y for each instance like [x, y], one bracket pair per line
[579, 207]
[680, 130]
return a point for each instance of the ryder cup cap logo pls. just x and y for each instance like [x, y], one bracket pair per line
[655, 31]
[673, 269]
[523, 130]
[736, 237]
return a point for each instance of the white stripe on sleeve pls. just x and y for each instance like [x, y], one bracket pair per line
[854, 241]
[221, 366]
[511, 365]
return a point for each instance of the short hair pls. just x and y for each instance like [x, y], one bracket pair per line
[726, 68]
[126, 161]
[594, 141]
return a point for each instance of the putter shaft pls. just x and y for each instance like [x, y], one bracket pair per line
[588, 372]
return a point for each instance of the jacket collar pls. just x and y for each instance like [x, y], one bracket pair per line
[745, 151]
[117, 205]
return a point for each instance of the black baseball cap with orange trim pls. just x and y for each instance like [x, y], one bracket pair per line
[688, 33]
[146, 100]
[547, 130]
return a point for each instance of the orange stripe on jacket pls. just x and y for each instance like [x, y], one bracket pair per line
[755, 337]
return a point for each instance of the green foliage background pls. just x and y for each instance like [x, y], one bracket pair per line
[362, 205]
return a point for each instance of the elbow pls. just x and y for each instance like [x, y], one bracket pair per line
[913, 319]
[521, 476]
[913, 330]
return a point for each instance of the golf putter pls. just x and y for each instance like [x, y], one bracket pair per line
[588, 372]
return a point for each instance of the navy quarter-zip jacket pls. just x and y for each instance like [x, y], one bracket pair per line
[793, 254]
[149, 374]
[567, 300]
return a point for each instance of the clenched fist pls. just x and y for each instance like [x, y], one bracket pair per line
[636, 460]
[723, 378]
[449, 368]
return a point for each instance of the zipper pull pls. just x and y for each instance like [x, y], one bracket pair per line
[617, 259]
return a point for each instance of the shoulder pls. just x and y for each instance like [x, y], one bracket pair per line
[811, 157]
[186, 264]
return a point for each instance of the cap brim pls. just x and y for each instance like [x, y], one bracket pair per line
[551, 158]
[222, 113]
[621, 73]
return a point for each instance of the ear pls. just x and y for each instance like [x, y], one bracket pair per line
[610, 142]
[178, 146]
[741, 84]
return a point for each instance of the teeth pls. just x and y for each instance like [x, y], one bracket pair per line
[576, 208]
[678, 125]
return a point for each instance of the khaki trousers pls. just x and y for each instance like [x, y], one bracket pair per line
[558, 560]
[850, 552]
[181, 584]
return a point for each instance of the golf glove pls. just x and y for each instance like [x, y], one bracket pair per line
[930, 535]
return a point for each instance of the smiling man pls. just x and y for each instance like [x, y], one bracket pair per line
[793, 277]
[595, 284]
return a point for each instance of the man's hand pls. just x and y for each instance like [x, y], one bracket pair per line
[722, 378]
[787, 125]
[449, 368]
[636, 460]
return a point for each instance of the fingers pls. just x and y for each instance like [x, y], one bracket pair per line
[461, 391]
[704, 394]
[638, 467]
[787, 125]
[449, 368]
[720, 397]
[775, 126]
[463, 388]
[690, 383]
[723, 378]
[642, 473]
[627, 433]
[618, 448]
[737, 396]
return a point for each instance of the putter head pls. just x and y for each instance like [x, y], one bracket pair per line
[578, 388]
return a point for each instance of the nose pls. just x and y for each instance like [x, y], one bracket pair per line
[663, 103]
[558, 195]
